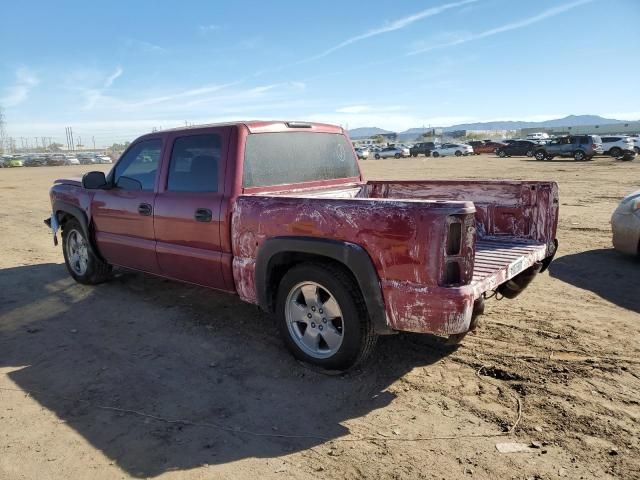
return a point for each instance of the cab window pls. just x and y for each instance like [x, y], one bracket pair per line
[137, 169]
[194, 164]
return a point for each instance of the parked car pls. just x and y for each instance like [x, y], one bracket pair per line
[422, 148]
[56, 160]
[103, 159]
[580, 147]
[389, 152]
[362, 153]
[625, 225]
[487, 147]
[248, 208]
[517, 148]
[87, 159]
[35, 161]
[13, 162]
[537, 136]
[71, 160]
[616, 145]
[457, 149]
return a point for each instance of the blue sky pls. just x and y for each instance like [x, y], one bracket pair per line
[114, 70]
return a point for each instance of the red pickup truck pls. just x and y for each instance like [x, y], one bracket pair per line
[279, 214]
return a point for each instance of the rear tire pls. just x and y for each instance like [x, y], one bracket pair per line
[615, 152]
[458, 153]
[502, 153]
[529, 153]
[540, 155]
[397, 155]
[435, 154]
[376, 156]
[82, 264]
[322, 317]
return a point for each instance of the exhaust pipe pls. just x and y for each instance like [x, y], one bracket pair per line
[514, 287]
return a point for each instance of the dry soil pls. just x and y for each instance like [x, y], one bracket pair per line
[146, 378]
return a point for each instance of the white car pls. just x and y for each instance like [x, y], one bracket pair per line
[103, 159]
[71, 161]
[395, 152]
[362, 153]
[538, 136]
[615, 144]
[625, 225]
[457, 149]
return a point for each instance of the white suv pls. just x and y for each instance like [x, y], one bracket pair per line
[614, 145]
[457, 149]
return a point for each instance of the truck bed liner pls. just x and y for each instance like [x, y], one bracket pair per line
[499, 259]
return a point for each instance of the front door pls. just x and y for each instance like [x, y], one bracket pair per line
[123, 214]
[187, 212]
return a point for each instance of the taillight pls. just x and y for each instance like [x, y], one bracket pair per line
[456, 266]
[454, 238]
[452, 273]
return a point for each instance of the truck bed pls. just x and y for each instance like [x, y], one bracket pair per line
[499, 259]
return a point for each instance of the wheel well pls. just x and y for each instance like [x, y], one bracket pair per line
[282, 262]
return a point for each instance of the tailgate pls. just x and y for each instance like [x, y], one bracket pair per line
[498, 259]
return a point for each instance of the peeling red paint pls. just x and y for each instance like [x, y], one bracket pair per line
[403, 227]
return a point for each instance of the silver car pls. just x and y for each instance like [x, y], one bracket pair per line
[395, 152]
[625, 224]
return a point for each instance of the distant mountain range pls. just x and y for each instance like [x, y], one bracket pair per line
[569, 121]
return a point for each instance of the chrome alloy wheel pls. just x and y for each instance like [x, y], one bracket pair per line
[77, 252]
[314, 320]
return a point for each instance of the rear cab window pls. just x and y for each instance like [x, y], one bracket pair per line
[195, 163]
[282, 158]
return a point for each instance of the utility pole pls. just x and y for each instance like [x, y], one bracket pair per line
[2, 131]
[93, 139]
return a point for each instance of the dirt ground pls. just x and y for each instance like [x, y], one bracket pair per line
[145, 378]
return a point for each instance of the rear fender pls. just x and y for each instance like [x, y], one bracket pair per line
[350, 255]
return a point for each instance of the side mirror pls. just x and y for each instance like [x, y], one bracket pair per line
[94, 180]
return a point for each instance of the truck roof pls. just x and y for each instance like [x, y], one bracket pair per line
[264, 126]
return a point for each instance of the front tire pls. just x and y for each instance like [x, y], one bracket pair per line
[435, 154]
[322, 317]
[579, 156]
[502, 153]
[458, 153]
[540, 155]
[397, 155]
[82, 264]
[376, 156]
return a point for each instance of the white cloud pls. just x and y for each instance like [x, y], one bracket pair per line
[392, 26]
[142, 46]
[551, 12]
[112, 78]
[19, 92]
[205, 29]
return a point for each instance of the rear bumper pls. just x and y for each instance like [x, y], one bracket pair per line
[448, 310]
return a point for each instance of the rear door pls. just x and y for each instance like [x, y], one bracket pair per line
[123, 215]
[188, 208]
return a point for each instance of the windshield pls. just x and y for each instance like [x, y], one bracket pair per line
[295, 157]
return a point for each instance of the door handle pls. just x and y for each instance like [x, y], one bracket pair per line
[145, 209]
[203, 215]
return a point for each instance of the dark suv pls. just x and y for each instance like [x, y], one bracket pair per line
[580, 147]
[422, 148]
[517, 147]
